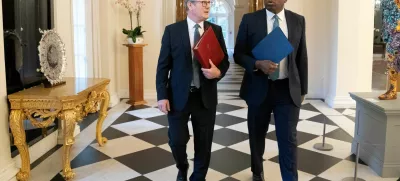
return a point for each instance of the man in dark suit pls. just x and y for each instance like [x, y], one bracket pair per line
[185, 89]
[268, 87]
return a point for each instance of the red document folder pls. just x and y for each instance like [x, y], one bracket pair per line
[208, 48]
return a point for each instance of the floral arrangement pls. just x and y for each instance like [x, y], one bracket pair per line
[391, 31]
[133, 9]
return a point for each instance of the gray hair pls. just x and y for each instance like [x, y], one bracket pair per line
[185, 3]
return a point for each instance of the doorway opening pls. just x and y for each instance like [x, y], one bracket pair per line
[221, 13]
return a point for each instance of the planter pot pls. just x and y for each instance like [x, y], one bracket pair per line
[139, 40]
[130, 41]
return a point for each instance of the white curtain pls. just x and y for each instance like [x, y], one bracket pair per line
[95, 38]
[79, 24]
[87, 38]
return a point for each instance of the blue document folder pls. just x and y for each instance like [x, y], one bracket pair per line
[275, 46]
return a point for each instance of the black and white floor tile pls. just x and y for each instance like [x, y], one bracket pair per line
[138, 149]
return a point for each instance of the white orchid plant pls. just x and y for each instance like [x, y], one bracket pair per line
[133, 9]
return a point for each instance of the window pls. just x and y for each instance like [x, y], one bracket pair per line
[80, 38]
[219, 14]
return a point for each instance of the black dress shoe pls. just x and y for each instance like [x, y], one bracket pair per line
[258, 177]
[182, 175]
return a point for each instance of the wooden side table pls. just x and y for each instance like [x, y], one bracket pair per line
[70, 103]
[136, 92]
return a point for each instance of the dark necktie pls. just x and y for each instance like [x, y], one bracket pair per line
[275, 75]
[195, 62]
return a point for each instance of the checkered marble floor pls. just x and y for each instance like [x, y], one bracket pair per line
[138, 149]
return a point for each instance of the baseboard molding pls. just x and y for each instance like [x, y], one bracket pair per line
[9, 172]
[114, 99]
[40, 148]
[340, 102]
[311, 95]
[148, 94]
[123, 93]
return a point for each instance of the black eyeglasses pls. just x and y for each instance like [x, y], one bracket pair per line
[205, 3]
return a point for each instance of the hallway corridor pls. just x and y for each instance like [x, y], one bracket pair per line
[137, 149]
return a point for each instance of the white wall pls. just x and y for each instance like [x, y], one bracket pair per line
[108, 46]
[339, 49]
[365, 45]
[354, 54]
[168, 14]
[331, 38]
[318, 15]
[8, 169]
[331, 66]
[297, 6]
[153, 23]
[339, 42]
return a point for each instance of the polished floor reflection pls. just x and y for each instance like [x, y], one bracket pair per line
[138, 151]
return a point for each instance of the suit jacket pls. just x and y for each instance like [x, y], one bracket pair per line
[252, 30]
[174, 69]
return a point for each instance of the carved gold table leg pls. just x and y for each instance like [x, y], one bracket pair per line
[105, 97]
[18, 131]
[68, 119]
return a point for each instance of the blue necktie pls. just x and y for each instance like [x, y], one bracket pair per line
[195, 63]
[275, 75]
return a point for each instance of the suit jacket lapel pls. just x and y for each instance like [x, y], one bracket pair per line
[262, 21]
[291, 25]
[186, 40]
[206, 25]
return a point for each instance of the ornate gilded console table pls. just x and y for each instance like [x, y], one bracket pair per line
[69, 103]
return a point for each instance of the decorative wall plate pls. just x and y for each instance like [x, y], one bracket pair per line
[53, 61]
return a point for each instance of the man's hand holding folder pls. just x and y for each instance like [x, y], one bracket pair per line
[271, 50]
[209, 53]
[266, 66]
[212, 72]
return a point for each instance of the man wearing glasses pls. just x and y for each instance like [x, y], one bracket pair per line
[269, 87]
[185, 89]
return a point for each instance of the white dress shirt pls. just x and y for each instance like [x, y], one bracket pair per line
[191, 29]
[283, 71]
